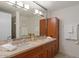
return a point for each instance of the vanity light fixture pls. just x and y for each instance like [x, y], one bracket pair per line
[11, 2]
[36, 11]
[40, 13]
[20, 4]
[26, 6]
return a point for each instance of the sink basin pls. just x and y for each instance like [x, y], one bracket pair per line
[8, 47]
[20, 42]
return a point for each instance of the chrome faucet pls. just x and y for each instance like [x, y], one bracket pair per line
[9, 37]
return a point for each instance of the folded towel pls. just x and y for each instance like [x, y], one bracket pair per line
[49, 37]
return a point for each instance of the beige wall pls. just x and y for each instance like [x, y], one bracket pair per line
[68, 16]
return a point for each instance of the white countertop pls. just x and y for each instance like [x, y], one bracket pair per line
[24, 47]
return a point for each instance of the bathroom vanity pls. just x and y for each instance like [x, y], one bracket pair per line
[40, 48]
[47, 49]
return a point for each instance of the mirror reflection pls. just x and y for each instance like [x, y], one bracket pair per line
[23, 19]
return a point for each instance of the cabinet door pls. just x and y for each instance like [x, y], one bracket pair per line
[44, 53]
[34, 55]
[42, 27]
[52, 27]
[50, 50]
[31, 55]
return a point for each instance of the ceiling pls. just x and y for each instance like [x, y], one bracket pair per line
[50, 5]
[56, 5]
[11, 9]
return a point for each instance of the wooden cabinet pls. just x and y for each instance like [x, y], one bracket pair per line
[51, 28]
[42, 27]
[43, 51]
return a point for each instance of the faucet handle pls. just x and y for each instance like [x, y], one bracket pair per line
[9, 37]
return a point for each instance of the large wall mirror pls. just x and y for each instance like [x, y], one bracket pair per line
[24, 18]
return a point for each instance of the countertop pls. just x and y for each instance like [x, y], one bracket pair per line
[25, 46]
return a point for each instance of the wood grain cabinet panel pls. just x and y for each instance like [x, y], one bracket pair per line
[43, 51]
[52, 29]
[42, 27]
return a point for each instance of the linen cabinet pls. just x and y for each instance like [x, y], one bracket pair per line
[43, 27]
[50, 27]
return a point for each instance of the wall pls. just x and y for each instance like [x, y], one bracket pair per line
[5, 25]
[68, 16]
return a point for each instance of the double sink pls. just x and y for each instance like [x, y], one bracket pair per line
[27, 42]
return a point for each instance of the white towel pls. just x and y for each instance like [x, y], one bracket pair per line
[49, 37]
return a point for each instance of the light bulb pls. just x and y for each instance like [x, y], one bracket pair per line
[36, 11]
[40, 13]
[12, 2]
[26, 6]
[9, 3]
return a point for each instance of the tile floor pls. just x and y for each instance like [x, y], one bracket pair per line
[60, 55]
